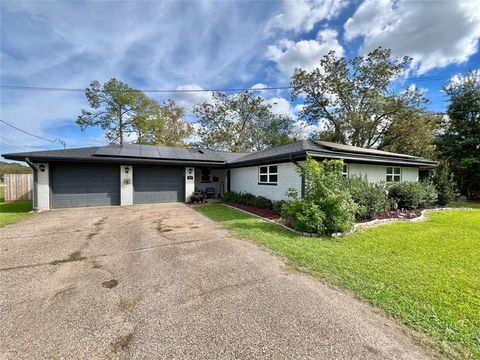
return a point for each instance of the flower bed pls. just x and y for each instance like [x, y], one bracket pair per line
[265, 213]
[381, 218]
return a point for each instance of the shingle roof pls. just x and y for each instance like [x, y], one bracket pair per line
[158, 154]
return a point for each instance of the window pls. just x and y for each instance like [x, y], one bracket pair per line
[345, 171]
[394, 174]
[268, 174]
[205, 175]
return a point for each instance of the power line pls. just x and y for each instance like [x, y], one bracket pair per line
[43, 88]
[6, 143]
[265, 88]
[38, 137]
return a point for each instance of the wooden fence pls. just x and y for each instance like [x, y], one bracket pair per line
[18, 187]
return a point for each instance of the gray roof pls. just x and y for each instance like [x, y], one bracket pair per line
[134, 153]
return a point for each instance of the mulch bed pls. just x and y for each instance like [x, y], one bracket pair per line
[272, 215]
[266, 213]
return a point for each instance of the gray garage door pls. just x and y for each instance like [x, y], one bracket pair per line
[79, 185]
[157, 184]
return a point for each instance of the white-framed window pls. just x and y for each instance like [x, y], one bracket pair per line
[268, 174]
[394, 174]
[345, 171]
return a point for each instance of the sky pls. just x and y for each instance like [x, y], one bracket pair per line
[209, 45]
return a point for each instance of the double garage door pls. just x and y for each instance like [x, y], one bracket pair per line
[80, 185]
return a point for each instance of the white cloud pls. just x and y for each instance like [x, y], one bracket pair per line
[258, 86]
[302, 130]
[188, 99]
[281, 106]
[304, 54]
[434, 33]
[302, 15]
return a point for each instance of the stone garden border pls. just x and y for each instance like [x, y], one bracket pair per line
[357, 226]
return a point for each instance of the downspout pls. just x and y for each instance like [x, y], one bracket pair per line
[29, 163]
[302, 192]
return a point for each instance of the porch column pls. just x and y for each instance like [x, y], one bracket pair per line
[43, 186]
[189, 182]
[126, 185]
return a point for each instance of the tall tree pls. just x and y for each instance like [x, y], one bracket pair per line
[459, 141]
[115, 107]
[412, 132]
[240, 122]
[164, 125]
[354, 99]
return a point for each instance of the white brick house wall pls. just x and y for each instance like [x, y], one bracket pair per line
[245, 179]
[376, 173]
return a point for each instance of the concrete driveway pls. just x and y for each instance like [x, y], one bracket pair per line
[164, 282]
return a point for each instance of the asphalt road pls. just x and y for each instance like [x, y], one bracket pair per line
[164, 282]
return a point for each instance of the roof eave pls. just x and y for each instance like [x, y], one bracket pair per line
[130, 160]
[374, 159]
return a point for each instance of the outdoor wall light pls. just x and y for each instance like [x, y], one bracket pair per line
[127, 169]
[42, 168]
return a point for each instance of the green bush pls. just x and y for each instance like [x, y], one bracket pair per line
[444, 181]
[412, 195]
[231, 196]
[246, 198]
[277, 206]
[327, 197]
[262, 202]
[371, 198]
[196, 198]
[304, 216]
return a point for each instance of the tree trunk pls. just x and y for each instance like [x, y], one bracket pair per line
[120, 126]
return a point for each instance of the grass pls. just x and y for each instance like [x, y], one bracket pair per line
[14, 211]
[466, 204]
[425, 274]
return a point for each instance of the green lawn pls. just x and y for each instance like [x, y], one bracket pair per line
[12, 212]
[426, 274]
[466, 204]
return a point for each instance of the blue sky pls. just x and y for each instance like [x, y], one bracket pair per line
[209, 44]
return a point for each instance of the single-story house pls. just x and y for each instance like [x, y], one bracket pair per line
[139, 174]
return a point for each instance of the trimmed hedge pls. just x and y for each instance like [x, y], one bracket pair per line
[231, 196]
[248, 199]
[262, 202]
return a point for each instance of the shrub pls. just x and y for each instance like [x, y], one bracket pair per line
[246, 198]
[304, 216]
[371, 199]
[277, 206]
[444, 181]
[429, 194]
[262, 202]
[231, 196]
[412, 195]
[196, 198]
[326, 199]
